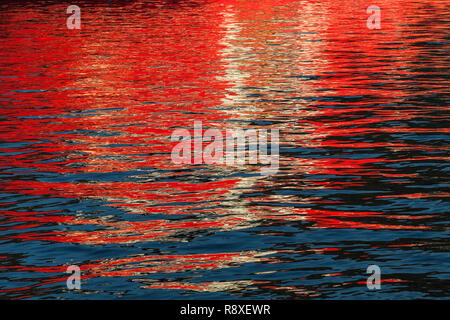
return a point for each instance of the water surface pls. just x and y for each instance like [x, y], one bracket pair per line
[85, 151]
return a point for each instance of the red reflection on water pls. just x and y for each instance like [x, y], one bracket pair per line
[143, 265]
[105, 100]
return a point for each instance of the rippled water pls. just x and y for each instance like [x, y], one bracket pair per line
[85, 163]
